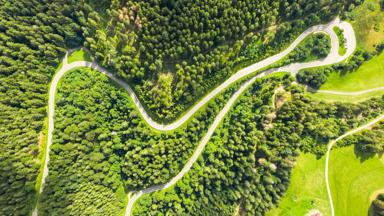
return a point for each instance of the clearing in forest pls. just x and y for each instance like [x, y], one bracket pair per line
[352, 179]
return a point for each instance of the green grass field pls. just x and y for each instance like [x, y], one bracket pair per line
[307, 189]
[79, 55]
[368, 22]
[353, 183]
[369, 75]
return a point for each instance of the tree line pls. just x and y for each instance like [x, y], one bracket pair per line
[367, 142]
[315, 77]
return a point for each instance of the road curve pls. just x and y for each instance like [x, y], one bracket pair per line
[330, 145]
[332, 58]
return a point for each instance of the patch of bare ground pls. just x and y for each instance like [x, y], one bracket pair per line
[280, 96]
[314, 212]
[239, 210]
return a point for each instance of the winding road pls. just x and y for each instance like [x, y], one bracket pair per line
[332, 58]
[332, 143]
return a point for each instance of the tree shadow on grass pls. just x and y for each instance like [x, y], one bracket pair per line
[363, 156]
[375, 210]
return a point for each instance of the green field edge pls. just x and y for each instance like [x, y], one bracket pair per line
[321, 165]
[327, 97]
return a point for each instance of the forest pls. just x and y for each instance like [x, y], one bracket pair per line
[248, 161]
[102, 147]
[368, 142]
[314, 47]
[195, 44]
[172, 52]
[33, 38]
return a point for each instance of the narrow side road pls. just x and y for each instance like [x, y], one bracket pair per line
[354, 93]
[351, 93]
[332, 143]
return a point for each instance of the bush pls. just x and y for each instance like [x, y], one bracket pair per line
[313, 78]
[378, 205]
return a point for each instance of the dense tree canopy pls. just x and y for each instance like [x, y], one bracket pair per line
[33, 37]
[248, 161]
[101, 142]
[172, 52]
[314, 47]
[197, 43]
